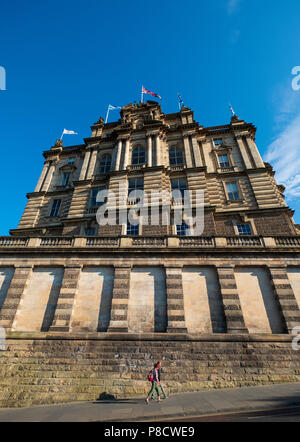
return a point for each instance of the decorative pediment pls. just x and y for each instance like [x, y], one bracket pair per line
[223, 147]
[68, 168]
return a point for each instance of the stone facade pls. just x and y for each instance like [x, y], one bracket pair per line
[88, 308]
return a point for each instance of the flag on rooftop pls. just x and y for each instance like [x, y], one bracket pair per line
[111, 107]
[146, 91]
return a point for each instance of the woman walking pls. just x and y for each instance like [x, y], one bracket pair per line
[154, 378]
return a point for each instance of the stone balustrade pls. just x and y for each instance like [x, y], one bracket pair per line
[253, 242]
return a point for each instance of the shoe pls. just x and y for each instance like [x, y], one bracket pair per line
[147, 401]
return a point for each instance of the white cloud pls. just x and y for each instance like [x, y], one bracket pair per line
[232, 6]
[284, 155]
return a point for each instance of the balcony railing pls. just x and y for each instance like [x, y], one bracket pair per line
[152, 242]
[13, 241]
[244, 241]
[59, 241]
[288, 241]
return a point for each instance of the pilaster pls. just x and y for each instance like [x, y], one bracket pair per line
[16, 289]
[187, 151]
[285, 296]
[85, 165]
[243, 152]
[42, 177]
[92, 164]
[65, 301]
[175, 301]
[119, 309]
[49, 177]
[235, 323]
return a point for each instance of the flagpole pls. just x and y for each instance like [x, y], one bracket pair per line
[62, 135]
[107, 114]
[142, 95]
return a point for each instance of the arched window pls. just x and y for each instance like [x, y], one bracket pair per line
[105, 164]
[138, 155]
[176, 156]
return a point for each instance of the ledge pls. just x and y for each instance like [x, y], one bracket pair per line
[259, 243]
[222, 337]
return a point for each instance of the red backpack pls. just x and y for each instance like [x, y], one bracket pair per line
[150, 376]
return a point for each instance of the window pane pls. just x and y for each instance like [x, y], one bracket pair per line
[138, 155]
[135, 183]
[232, 190]
[71, 160]
[218, 141]
[55, 208]
[244, 229]
[65, 179]
[93, 197]
[105, 164]
[176, 156]
[224, 161]
[132, 230]
[182, 230]
[180, 184]
[89, 232]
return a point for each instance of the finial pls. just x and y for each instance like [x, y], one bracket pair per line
[58, 143]
[232, 111]
[234, 115]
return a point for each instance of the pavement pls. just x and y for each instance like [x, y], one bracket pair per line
[203, 403]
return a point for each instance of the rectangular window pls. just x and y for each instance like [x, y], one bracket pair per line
[244, 229]
[179, 184]
[71, 160]
[218, 141]
[132, 230]
[65, 179]
[135, 183]
[89, 232]
[182, 230]
[55, 208]
[93, 197]
[232, 191]
[224, 161]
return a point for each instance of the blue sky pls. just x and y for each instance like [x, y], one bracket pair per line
[66, 61]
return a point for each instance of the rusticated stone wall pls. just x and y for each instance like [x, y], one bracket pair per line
[46, 368]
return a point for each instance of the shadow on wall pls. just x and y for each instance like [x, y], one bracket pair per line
[215, 301]
[106, 302]
[6, 276]
[53, 298]
[160, 302]
[272, 307]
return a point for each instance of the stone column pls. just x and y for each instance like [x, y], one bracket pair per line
[119, 308]
[187, 151]
[42, 177]
[85, 165]
[149, 151]
[65, 301]
[16, 289]
[49, 177]
[243, 152]
[255, 152]
[175, 304]
[158, 151]
[91, 168]
[285, 296]
[126, 156]
[196, 150]
[118, 154]
[235, 323]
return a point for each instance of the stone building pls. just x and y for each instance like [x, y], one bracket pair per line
[222, 305]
